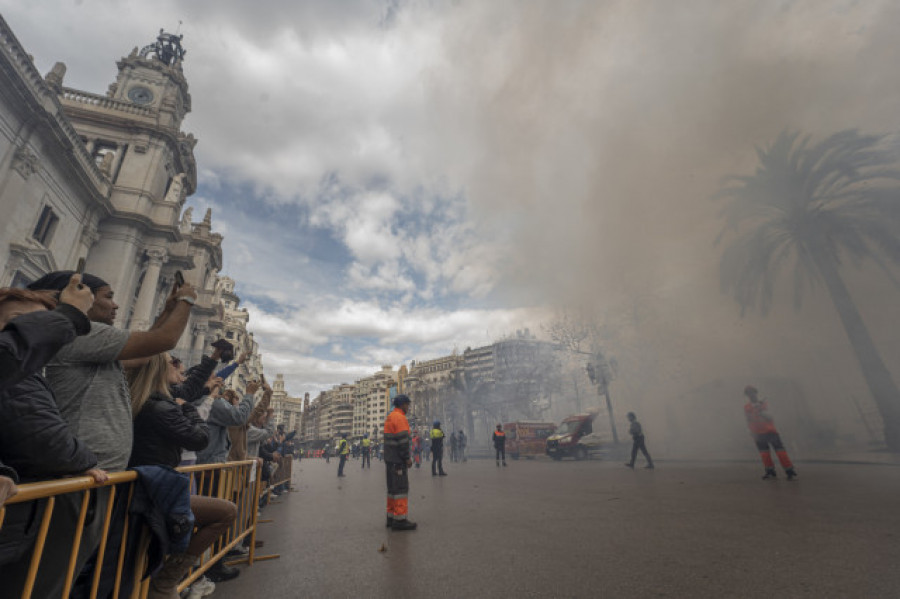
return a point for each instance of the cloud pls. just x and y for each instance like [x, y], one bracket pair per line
[402, 178]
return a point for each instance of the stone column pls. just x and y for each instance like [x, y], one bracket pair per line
[140, 321]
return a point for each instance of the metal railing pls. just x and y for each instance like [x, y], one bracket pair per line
[235, 481]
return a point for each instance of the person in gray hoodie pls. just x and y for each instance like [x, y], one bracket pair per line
[223, 414]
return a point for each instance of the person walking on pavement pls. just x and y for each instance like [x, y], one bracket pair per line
[762, 427]
[417, 449]
[344, 452]
[637, 442]
[454, 447]
[366, 449]
[437, 450]
[461, 450]
[327, 453]
[500, 444]
[397, 463]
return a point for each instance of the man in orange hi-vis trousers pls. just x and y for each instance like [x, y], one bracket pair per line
[397, 461]
[762, 427]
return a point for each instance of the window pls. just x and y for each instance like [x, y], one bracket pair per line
[46, 225]
[229, 335]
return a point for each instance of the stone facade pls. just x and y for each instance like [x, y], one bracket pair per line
[105, 177]
[287, 409]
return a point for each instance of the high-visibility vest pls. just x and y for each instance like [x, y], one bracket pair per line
[396, 437]
[437, 433]
[366, 442]
[755, 421]
[344, 447]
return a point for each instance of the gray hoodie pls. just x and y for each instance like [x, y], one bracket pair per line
[222, 415]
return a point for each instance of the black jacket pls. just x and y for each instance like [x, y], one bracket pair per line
[29, 341]
[35, 440]
[162, 429]
[194, 381]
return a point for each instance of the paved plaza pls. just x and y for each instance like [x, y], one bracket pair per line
[585, 529]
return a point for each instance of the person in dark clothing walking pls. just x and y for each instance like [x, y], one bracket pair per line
[437, 450]
[637, 436]
[500, 444]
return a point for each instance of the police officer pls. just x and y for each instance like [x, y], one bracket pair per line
[397, 462]
[366, 451]
[500, 444]
[437, 450]
[344, 451]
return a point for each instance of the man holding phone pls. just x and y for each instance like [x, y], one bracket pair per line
[87, 378]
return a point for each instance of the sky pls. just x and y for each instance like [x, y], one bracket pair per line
[397, 180]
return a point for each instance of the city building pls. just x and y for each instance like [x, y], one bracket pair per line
[105, 177]
[287, 410]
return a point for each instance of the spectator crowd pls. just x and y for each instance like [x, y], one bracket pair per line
[82, 397]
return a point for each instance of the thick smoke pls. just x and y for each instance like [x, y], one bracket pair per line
[594, 134]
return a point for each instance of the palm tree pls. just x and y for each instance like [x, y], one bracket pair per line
[815, 205]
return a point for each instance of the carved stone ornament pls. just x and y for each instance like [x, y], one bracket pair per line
[25, 162]
[157, 256]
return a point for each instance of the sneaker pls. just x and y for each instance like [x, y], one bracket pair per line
[770, 474]
[649, 467]
[442, 474]
[202, 587]
[791, 473]
[220, 572]
[629, 466]
[238, 551]
[403, 525]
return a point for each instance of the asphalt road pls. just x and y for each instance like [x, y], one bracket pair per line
[584, 529]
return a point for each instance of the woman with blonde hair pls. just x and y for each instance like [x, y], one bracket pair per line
[163, 426]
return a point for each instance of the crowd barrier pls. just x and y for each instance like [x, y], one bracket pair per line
[236, 481]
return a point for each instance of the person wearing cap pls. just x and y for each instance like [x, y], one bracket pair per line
[437, 449]
[88, 381]
[762, 427]
[397, 462]
[637, 442]
[499, 438]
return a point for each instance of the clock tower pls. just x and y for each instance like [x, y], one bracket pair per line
[134, 135]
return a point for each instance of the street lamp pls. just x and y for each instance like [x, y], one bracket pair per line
[600, 376]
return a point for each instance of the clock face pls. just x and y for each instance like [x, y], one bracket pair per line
[140, 95]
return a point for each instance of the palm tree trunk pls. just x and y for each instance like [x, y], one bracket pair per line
[882, 386]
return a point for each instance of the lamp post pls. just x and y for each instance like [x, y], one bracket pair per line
[600, 376]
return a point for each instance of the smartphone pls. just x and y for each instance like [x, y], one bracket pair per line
[80, 268]
[179, 279]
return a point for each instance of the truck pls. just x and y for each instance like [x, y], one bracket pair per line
[527, 438]
[567, 440]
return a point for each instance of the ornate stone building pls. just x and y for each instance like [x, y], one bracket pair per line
[105, 177]
[287, 409]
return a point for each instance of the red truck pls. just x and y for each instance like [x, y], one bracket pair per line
[565, 441]
[527, 438]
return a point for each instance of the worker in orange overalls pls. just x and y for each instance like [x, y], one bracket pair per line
[762, 427]
[499, 439]
[397, 462]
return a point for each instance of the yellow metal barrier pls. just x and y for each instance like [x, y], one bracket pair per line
[231, 481]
